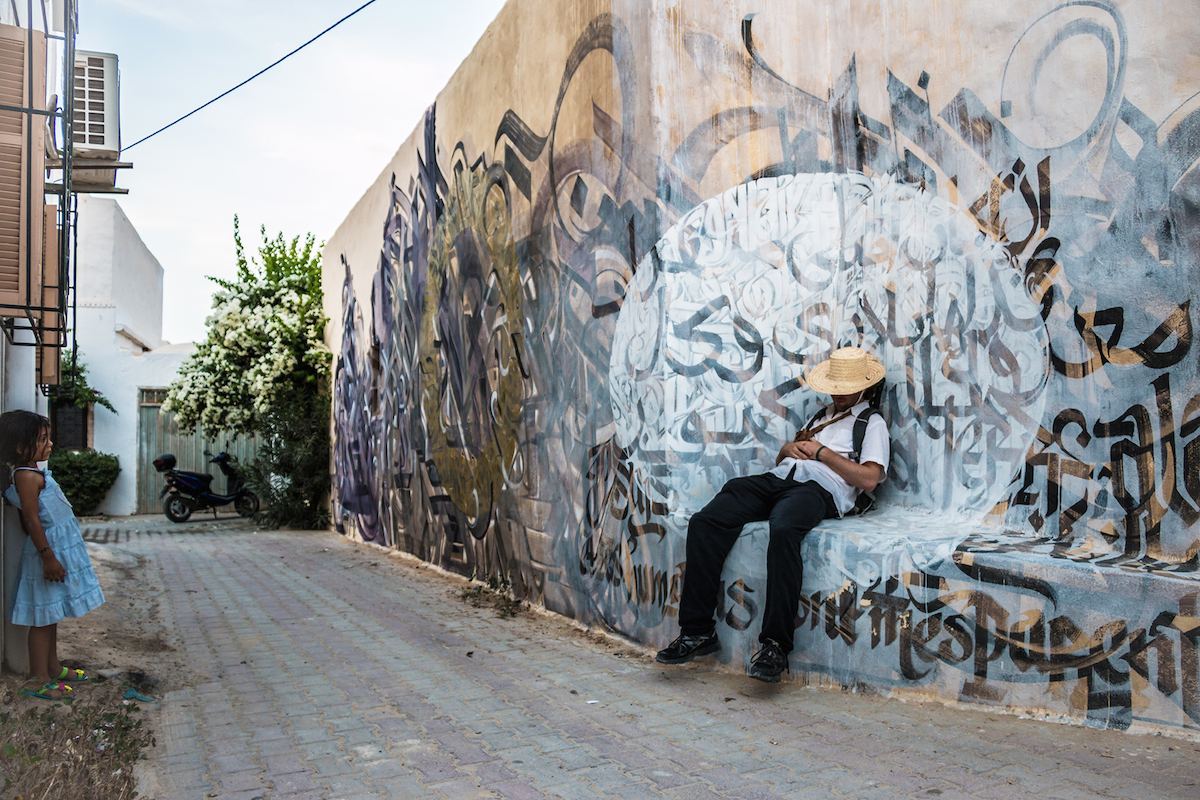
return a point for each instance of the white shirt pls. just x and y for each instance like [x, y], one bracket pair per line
[839, 437]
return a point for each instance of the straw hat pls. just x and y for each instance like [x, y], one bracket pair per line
[848, 370]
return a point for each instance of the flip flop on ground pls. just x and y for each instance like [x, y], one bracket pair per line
[73, 675]
[54, 690]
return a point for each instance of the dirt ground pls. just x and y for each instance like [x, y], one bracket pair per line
[97, 737]
[126, 634]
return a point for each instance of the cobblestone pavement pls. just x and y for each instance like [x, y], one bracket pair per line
[325, 669]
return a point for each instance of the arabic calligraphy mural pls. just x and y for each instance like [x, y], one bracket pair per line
[580, 328]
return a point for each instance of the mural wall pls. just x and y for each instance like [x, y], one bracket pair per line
[584, 293]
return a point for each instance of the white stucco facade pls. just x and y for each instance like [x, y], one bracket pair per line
[119, 330]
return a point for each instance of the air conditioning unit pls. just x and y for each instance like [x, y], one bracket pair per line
[97, 122]
[96, 130]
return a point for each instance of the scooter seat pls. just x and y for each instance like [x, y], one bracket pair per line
[203, 477]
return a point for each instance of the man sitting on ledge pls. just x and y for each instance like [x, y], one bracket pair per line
[830, 468]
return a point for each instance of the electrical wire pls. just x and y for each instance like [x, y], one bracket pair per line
[233, 89]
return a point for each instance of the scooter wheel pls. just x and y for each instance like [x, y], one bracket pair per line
[177, 508]
[246, 504]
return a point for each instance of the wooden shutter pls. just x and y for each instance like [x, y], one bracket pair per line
[49, 363]
[49, 353]
[22, 160]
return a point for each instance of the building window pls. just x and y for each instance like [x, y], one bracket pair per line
[153, 397]
[69, 427]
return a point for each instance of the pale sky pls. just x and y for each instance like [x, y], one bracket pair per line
[295, 148]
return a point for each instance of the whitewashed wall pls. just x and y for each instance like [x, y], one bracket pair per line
[119, 317]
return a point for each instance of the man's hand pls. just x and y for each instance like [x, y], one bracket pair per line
[52, 570]
[797, 450]
[787, 451]
[808, 449]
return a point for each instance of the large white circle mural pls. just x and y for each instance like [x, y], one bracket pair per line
[748, 288]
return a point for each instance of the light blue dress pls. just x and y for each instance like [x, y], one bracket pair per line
[39, 601]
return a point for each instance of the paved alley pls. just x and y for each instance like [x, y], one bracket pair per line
[325, 669]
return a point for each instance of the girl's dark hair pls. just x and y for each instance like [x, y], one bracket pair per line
[19, 431]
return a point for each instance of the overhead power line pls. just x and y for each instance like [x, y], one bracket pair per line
[233, 89]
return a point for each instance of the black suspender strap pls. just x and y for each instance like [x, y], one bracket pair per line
[860, 430]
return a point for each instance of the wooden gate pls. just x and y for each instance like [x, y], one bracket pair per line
[158, 433]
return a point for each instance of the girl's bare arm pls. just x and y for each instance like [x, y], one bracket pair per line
[29, 487]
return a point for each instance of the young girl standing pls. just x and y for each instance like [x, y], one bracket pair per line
[56, 575]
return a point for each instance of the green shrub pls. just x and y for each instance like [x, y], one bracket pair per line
[291, 473]
[85, 476]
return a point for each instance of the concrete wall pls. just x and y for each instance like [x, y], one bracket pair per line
[583, 293]
[119, 328]
[120, 374]
[116, 270]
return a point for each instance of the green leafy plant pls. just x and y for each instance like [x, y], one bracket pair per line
[291, 474]
[85, 476]
[265, 339]
[73, 387]
[264, 368]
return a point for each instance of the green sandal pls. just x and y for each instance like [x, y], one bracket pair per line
[71, 675]
[44, 692]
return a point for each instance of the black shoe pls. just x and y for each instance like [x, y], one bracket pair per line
[769, 662]
[685, 648]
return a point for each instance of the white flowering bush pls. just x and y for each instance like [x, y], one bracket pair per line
[265, 343]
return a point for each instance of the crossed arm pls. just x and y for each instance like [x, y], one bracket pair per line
[864, 477]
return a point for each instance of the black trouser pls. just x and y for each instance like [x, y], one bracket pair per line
[793, 509]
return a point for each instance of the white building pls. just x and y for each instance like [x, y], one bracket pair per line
[119, 330]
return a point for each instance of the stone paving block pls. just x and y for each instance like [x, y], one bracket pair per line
[516, 790]
[361, 734]
[273, 747]
[501, 741]
[343, 723]
[307, 794]
[464, 788]
[727, 781]
[240, 781]
[505, 721]
[462, 751]
[292, 782]
[187, 779]
[610, 778]
[329, 765]
[241, 794]
[258, 708]
[577, 757]
[436, 769]
[691, 792]
[347, 786]
[384, 770]
[310, 734]
[325, 748]
[189, 756]
[665, 778]
[284, 764]
[493, 772]
[222, 765]
[1011, 793]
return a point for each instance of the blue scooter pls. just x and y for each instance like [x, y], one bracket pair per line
[186, 492]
